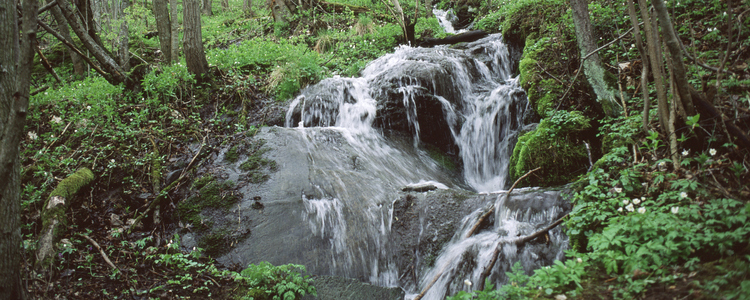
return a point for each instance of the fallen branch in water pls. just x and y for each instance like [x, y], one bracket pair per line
[518, 241]
[492, 208]
[474, 229]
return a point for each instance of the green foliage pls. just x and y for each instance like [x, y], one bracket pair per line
[211, 194]
[170, 83]
[266, 281]
[291, 66]
[552, 146]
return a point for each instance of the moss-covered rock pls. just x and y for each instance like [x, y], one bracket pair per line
[211, 194]
[555, 147]
[542, 91]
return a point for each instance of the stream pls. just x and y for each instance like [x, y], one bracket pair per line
[367, 140]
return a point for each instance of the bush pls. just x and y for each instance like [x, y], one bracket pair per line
[266, 281]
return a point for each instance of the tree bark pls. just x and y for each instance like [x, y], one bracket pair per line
[247, 7]
[207, 8]
[54, 214]
[116, 74]
[644, 68]
[16, 58]
[163, 26]
[657, 67]
[192, 42]
[592, 67]
[175, 42]
[673, 45]
[62, 28]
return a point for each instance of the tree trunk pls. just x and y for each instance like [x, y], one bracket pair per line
[175, 23]
[62, 28]
[163, 26]
[225, 4]
[192, 40]
[207, 8]
[54, 214]
[592, 67]
[281, 12]
[247, 7]
[657, 67]
[675, 54]
[116, 74]
[16, 59]
[644, 68]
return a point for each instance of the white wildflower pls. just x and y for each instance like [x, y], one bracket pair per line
[685, 152]
[618, 190]
[625, 202]
[683, 195]
[642, 210]
[619, 209]
[467, 282]
[712, 151]
[88, 107]
[560, 297]
[675, 209]
[630, 207]
[643, 198]
[636, 201]
[579, 260]
[56, 119]
[32, 135]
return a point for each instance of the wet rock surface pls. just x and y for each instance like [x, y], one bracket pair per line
[340, 288]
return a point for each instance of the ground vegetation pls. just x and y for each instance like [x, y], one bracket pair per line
[658, 212]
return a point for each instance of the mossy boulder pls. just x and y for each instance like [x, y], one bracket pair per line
[556, 146]
[542, 91]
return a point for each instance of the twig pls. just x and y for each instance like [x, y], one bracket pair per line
[104, 255]
[492, 208]
[427, 288]
[165, 191]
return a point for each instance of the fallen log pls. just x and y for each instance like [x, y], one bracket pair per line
[465, 37]
[54, 214]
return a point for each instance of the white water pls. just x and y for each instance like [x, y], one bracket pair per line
[483, 109]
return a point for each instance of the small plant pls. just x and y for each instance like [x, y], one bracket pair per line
[285, 282]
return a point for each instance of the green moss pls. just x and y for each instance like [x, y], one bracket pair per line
[256, 165]
[232, 154]
[553, 146]
[441, 158]
[212, 194]
[215, 243]
[542, 91]
[201, 182]
[70, 185]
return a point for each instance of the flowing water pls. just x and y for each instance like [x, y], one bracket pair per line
[462, 99]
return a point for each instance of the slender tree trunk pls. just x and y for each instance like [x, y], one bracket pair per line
[247, 7]
[16, 58]
[225, 4]
[644, 68]
[163, 25]
[657, 67]
[675, 54]
[62, 27]
[192, 39]
[592, 67]
[207, 8]
[175, 23]
[116, 74]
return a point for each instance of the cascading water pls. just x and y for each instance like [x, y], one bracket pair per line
[463, 100]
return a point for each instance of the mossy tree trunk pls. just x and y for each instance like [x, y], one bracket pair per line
[16, 59]
[592, 66]
[54, 213]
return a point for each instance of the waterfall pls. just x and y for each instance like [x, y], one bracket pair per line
[463, 100]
